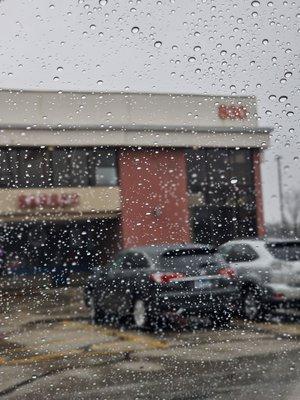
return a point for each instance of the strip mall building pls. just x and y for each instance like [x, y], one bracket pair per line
[89, 173]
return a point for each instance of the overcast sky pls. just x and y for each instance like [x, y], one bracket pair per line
[216, 47]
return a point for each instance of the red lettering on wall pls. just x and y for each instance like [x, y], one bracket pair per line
[45, 200]
[232, 112]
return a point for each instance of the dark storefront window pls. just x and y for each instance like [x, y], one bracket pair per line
[32, 169]
[223, 181]
[57, 167]
[5, 170]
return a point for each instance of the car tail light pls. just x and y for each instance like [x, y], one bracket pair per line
[278, 296]
[166, 277]
[227, 272]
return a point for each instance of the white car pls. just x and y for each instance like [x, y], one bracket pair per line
[268, 272]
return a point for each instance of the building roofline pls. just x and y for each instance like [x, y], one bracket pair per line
[135, 128]
[92, 92]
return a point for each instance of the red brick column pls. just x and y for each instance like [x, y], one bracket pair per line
[258, 194]
[153, 185]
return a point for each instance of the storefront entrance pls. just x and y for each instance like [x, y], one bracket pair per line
[216, 225]
[44, 247]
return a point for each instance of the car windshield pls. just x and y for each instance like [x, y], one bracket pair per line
[189, 261]
[285, 251]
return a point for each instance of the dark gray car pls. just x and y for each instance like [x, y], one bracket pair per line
[149, 284]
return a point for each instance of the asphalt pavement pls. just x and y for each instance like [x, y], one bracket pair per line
[49, 349]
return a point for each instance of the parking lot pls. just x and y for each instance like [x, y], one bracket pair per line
[48, 346]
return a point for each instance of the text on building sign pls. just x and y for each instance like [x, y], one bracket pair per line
[52, 200]
[232, 112]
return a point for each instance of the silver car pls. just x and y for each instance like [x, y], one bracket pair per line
[268, 272]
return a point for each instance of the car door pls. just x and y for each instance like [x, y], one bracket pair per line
[108, 282]
[131, 280]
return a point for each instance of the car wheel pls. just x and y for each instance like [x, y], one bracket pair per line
[140, 314]
[143, 316]
[97, 315]
[223, 320]
[252, 305]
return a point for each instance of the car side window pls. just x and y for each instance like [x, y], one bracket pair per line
[241, 253]
[135, 261]
[117, 263]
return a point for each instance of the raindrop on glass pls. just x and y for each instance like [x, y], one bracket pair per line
[282, 99]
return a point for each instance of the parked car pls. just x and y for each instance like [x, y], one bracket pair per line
[268, 272]
[149, 284]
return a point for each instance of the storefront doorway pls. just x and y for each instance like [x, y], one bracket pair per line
[43, 247]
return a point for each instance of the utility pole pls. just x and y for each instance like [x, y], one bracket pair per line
[278, 160]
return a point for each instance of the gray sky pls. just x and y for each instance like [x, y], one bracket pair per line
[216, 47]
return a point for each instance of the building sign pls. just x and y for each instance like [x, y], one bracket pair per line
[232, 112]
[48, 200]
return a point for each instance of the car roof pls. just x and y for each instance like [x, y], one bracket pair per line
[258, 241]
[281, 240]
[254, 241]
[155, 251]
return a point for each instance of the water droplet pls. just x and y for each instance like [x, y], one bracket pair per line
[288, 74]
[265, 41]
[59, 69]
[93, 27]
[102, 2]
[174, 47]
[197, 48]
[135, 29]
[99, 82]
[289, 113]
[272, 97]
[233, 181]
[282, 99]
[197, 70]
[192, 59]
[255, 3]
[55, 78]
[288, 51]
[157, 44]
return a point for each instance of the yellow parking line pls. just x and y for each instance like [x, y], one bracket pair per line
[124, 345]
[40, 358]
[130, 336]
